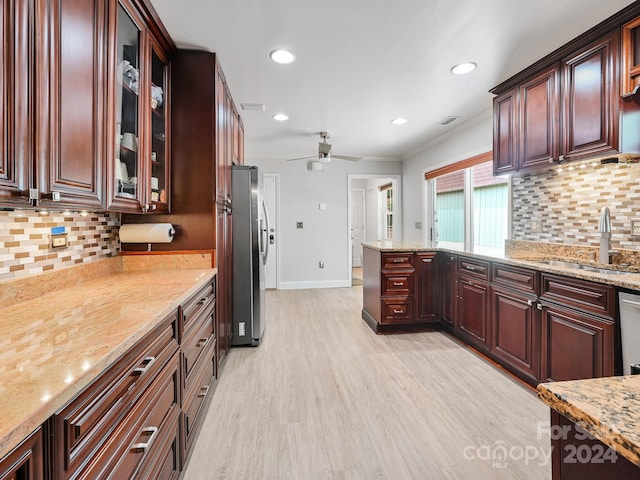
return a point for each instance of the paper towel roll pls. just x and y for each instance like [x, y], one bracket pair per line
[147, 233]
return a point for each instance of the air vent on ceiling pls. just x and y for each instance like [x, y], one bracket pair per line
[448, 120]
[257, 107]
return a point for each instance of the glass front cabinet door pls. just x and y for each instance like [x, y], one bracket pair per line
[139, 167]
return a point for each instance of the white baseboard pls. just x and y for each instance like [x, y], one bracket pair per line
[312, 284]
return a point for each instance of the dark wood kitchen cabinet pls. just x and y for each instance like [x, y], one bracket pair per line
[26, 461]
[70, 102]
[202, 150]
[505, 124]
[198, 357]
[400, 291]
[590, 99]
[121, 419]
[578, 329]
[139, 155]
[630, 68]
[565, 107]
[448, 280]
[473, 302]
[539, 127]
[515, 320]
[427, 305]
[16, 88]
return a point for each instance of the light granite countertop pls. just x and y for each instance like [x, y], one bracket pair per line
[527, 258]
[607, 408]
[55, 344]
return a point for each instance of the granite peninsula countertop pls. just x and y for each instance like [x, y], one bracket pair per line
[529, 259]
[55, 344]
[608, 408]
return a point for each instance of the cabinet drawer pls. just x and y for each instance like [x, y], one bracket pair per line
[138, 436]
[196, 394]
[196, 306]
[397, 284]
[580, 294]
[84, 424]
[473, 267]
[397, 311]
[397, 260]
[166, 462]
[516, 277]
[25, 461]
[196, 344]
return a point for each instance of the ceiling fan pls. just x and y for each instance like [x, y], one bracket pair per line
[324, 152]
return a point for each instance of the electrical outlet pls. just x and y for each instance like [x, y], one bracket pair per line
[635, 227]
[299, 225]
[320, 264]
[418, 225]
[536, 226]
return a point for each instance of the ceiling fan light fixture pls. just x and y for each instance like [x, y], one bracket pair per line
[282, 56]
[280, 117]
[464, 68]
[399, 121]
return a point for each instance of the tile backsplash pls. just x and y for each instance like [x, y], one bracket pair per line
[25, 241]
[564, 207]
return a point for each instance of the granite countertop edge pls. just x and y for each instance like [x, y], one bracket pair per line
[15, 428]
[599, 422]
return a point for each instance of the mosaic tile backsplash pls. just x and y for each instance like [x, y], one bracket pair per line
[25, 241]
[565, 207]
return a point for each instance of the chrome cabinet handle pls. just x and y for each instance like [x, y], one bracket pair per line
[144, 446]
[203, 342]
[398, 260]
[397, 284]
[470, 267]
[397, 311]
[203, 391]
[148, 361]
[529, 302]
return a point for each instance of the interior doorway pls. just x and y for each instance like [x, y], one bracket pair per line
[371, 215]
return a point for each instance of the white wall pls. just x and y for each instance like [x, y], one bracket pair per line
[325, 236]
[470, 139]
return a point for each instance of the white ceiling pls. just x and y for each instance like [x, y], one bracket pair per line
[361, 63]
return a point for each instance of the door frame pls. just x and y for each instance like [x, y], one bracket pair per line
[396, 183]
[276, 177]
[364, 219]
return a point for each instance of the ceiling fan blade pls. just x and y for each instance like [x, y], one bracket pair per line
[301, 158]
[347, 157]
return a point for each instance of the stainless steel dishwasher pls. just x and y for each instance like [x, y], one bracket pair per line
[630, 332]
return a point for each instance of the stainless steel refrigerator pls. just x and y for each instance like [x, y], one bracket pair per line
[250, 250]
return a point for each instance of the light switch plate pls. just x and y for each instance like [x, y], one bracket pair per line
[635, 227]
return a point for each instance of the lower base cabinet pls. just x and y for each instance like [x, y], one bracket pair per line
[25, 462]
[473, 312]
[575, 345]
[516, 332]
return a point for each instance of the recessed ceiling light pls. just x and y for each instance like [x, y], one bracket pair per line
[463, 68]
[282, 56]
[280, 117]
[399, 121]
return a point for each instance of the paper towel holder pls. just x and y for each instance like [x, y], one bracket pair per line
[170, 233]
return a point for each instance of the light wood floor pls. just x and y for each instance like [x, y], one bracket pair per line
[323, 397]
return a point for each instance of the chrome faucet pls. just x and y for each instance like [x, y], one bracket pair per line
[604, 227]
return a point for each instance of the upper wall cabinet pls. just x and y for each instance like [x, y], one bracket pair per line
[16, 156]
[70, 102]
[568, 105]
[139, 156]
[62, 113]
[565, 112]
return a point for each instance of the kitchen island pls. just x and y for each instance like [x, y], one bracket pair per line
[607, 410]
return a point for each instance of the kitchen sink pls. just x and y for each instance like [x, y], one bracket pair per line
[587, 268]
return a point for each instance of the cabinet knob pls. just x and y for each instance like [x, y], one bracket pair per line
[529, 302]
[550, 159]
[539, 305]
[561, 158]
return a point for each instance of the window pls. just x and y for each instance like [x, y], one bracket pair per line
[386, 203]
[468, 205]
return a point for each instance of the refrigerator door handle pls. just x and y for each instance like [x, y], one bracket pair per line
[265, 231]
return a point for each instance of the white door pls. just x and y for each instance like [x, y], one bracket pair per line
[357, 226]
[271, 199]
